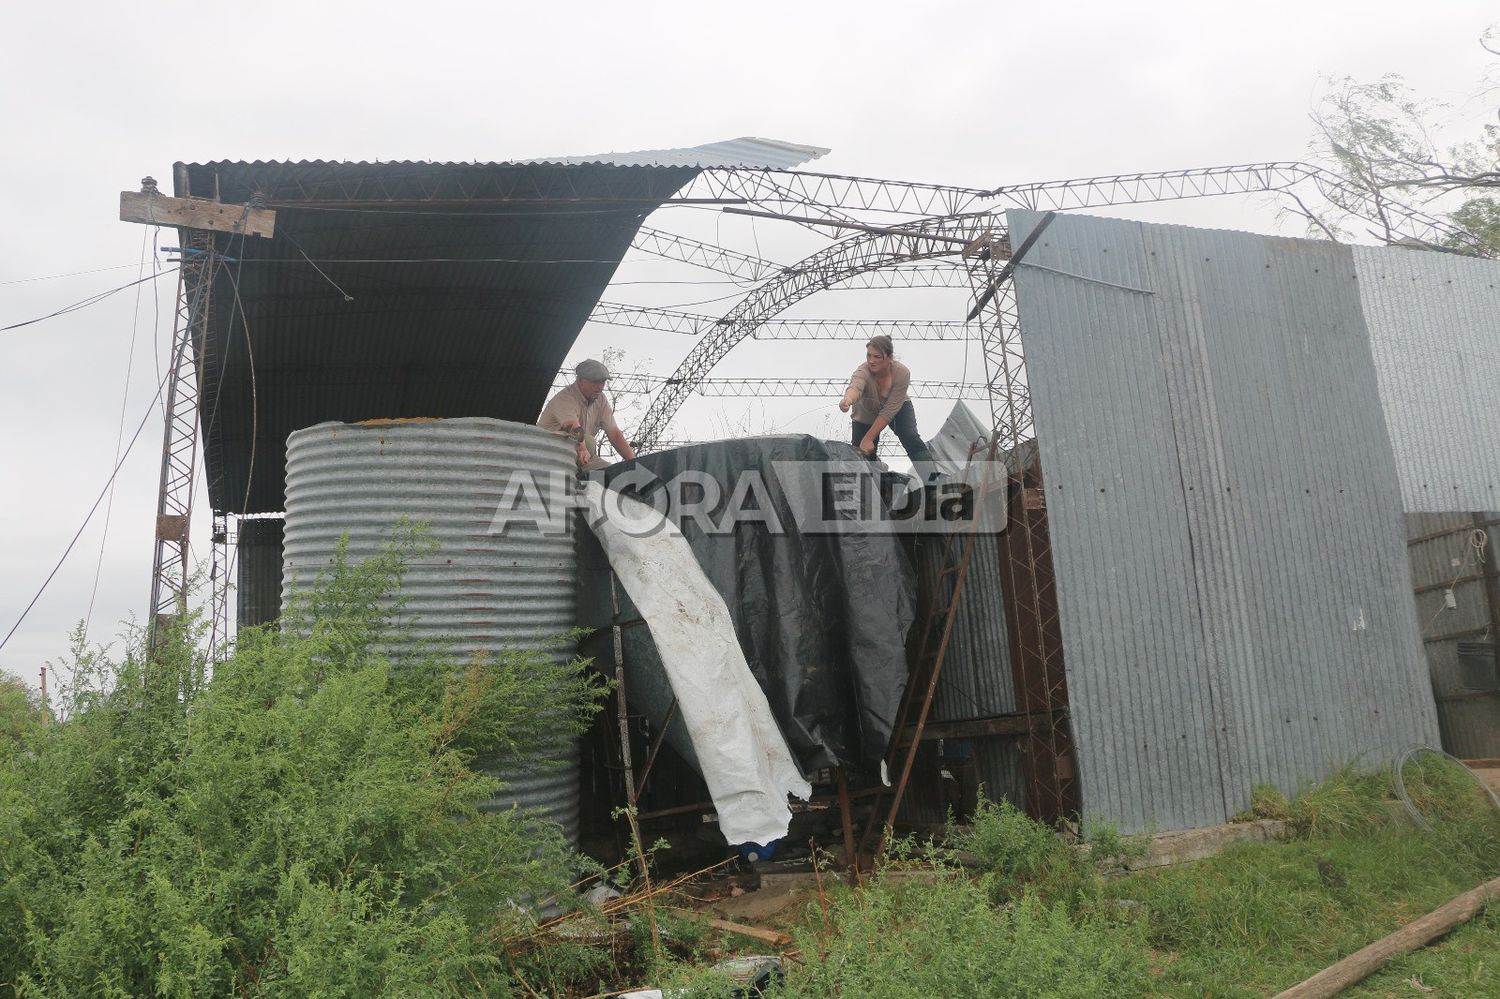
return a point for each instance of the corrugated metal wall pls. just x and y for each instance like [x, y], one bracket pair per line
[1444, 556]
[1226, 527]
[1434, 321]
[258, 579]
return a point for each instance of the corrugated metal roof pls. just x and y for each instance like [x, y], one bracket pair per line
[1434, 321]
[466, 286]
[746, 151]
[1226, 529]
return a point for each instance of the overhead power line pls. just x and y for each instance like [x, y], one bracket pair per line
[85, 303]
[150, 408]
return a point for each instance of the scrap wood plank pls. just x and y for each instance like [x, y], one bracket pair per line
[152, 208]
[771, 937]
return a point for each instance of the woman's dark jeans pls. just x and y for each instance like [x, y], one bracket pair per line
[904, 423]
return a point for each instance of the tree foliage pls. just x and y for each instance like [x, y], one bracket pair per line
[302, 823]
[1380, 137]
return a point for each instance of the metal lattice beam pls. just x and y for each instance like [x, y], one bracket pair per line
[835, 195]
[861, 256]
[828, 267]
[179, 455]
[695, 324]
[671, 246]
[639, 384]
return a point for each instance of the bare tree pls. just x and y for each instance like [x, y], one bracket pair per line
[1380, 137]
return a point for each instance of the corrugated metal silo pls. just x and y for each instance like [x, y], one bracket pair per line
[481, 591]
[258, 571]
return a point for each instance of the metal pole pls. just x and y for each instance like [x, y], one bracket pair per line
[621, 712]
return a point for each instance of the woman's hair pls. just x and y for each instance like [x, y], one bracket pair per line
[882, 343]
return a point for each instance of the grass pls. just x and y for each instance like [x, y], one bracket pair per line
[1260, 917]
[1028, 914]
[1466, 963]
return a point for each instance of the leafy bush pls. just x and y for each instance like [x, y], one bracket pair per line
[302, 823]
[1004, 841]
[1017, 853]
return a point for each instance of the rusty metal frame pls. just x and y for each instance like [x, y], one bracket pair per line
[170, 567]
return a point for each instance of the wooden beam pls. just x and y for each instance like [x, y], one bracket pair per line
[1418, 933]
[195, 213]
[1016, 724]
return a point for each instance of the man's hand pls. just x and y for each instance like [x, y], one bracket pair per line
[582, 453]
[843, 405]
[867, 447]
[572, 428]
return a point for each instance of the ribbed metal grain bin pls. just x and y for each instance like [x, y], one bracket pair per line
[481, 592]
[258, 573]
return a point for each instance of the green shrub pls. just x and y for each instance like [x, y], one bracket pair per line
[1004, 841]
[301, 823]
[938, 935]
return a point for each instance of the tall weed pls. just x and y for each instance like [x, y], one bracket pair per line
[301, 822]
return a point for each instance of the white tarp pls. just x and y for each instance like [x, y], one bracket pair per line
[962, 438]
[741, 752]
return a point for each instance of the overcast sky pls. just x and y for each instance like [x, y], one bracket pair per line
[97, 95]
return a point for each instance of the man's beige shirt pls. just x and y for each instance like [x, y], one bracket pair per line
[569, 406]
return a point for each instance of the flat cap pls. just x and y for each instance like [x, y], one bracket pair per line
[592, 370]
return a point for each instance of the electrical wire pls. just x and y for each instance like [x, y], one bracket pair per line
[1406, 756]
[150, 408]
[1478, 540]
[109, 506]
[53, 277]
[85, 303]
[640, 210]
[156, 309]
[254, 400]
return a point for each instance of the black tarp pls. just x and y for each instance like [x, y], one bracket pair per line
[821, 616]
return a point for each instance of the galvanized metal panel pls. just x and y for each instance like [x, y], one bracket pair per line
[1226, 527]
[748, 151]
[1434, 321]
[479, 593]
[258, 571]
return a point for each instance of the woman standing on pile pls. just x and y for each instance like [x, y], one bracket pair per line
[876, 398]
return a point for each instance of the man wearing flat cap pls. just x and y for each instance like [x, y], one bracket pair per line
[581, 410]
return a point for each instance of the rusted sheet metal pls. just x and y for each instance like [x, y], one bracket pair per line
[1036, 649]
[1448, 556]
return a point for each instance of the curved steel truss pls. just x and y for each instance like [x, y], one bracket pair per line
[976, 238]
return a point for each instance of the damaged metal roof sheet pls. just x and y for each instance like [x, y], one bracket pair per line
[408, 289]
[747, 152]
